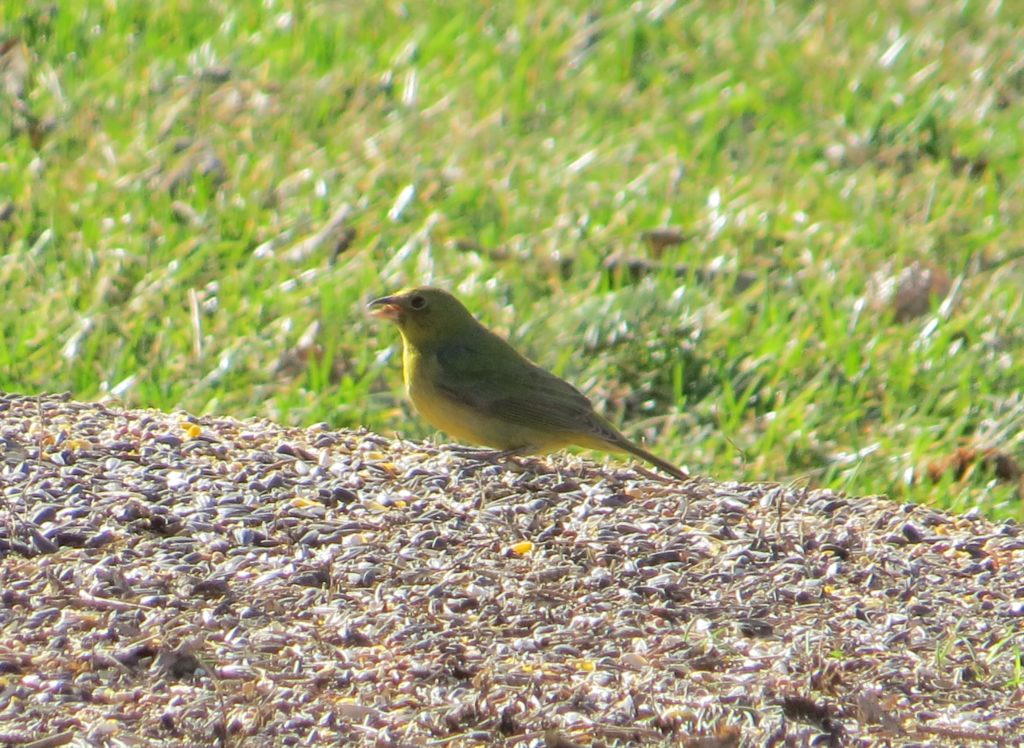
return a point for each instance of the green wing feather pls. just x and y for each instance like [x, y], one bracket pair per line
[488, 375]
[499, 382]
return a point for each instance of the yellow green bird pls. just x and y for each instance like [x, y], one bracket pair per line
[471, 384]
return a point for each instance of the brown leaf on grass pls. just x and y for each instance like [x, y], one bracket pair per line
[963, 461]
[661, 239]
[910, 292]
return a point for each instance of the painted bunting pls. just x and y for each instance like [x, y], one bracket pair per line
[471, 384]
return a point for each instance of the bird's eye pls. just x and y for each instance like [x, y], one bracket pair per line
[417, 302]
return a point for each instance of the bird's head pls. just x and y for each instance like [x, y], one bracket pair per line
[424, 315]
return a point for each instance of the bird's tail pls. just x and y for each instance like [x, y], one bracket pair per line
[663, 465]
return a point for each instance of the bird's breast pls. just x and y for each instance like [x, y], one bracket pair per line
[422, 374]
[460, 420]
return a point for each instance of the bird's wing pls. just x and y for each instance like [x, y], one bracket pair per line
[501, 383]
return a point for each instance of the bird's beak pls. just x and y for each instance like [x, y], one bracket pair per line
[386, 307]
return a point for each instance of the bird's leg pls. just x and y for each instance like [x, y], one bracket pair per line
[502, 454]
[488, 453]
[513, 456]
[466, 449]
[493, 456]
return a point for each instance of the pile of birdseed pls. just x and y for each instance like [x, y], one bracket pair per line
[189, 581]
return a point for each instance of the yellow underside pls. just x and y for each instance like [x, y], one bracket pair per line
[468, 425]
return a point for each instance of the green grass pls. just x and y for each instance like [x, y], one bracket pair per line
[506, 151]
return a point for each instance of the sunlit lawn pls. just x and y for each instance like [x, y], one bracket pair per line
[197, 200]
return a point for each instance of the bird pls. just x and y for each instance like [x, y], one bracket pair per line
[471, 384]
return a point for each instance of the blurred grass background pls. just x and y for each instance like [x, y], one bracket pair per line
[777, 240]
